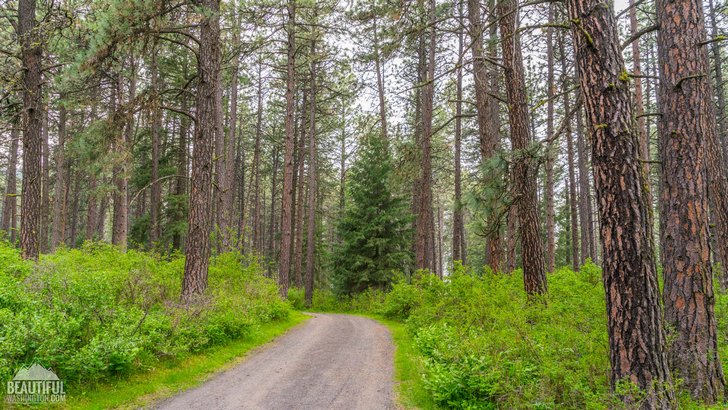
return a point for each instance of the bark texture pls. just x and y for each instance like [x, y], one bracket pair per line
[524, 166]
[687, 120]
[206, 130]
[636, 336]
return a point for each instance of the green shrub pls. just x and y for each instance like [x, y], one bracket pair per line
[94, 313]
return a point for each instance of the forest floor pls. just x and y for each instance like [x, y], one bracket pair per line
[332, 361]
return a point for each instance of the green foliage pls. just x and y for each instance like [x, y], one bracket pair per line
[375, 229]
[484, 346]
[96, 313]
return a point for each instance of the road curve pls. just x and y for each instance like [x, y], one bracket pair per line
[330, 362]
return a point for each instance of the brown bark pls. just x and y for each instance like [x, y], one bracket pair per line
[180, 187]
[207, 129]
[719, 86]
[299, 200]
[487, 116]
[122, 170]
[423, 223]
[255, 209]
[687, 121]
[59, 205]
[586, 212]
[226, 159]
[10, 204]
[378, 65]
[458, 229]
[573, 213]
[636, 336]
[284, 264]
[524, 166]
[312, 189]
[156, 188]
[45, 187]
[549, 161]
[31, 53]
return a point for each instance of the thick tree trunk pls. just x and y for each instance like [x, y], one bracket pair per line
[687, 120]
[206, 130]
[59, 205]
[636, 336]
[423, 224]
[31, 53]
[284, 264]
[524, 167]
[10, 204]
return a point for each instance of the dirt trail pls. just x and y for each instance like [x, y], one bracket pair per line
[330, 362]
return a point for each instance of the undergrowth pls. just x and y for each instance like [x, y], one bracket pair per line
[483, 345]
[95, 314]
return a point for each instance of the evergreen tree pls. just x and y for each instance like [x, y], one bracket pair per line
[375, 230]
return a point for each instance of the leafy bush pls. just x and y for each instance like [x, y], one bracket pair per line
[94, 313]
[485, 346]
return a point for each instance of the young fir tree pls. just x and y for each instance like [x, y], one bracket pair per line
[374, 232]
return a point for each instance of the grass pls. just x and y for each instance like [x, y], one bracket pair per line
[174, 376]
[411, 392]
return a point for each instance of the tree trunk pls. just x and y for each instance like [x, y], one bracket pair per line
[272, 225]
[59, 205]
[299, 200]
[636, 336]
[549, 162]
[207, 130]
[122, 170]
[10, 207]
[380, 83]
[31, 53]
[45, 187]
[573, 213]
[458, 229]
[486, 107]
[227, 158]
[423, 223]
[284, 264]
[524, 166]
[156, 188]
[311, 234]
[688, 119]
[257, 228]
[586, 212]
[719, 86]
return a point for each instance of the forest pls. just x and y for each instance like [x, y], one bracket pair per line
[528, 197]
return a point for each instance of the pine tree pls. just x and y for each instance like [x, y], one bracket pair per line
[375, 230]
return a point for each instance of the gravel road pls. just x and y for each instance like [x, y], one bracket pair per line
[330, 362]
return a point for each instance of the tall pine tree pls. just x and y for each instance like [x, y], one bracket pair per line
[375, 230]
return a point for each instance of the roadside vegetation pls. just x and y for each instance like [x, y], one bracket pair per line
[97, 316]
[476, 341]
